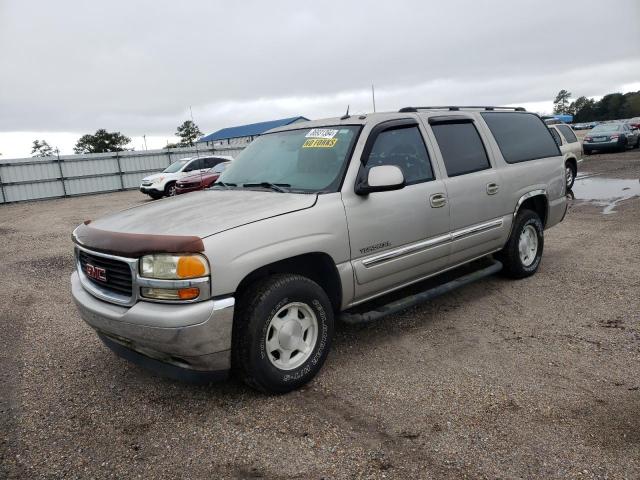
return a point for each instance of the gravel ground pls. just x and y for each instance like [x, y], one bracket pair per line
[501, 379]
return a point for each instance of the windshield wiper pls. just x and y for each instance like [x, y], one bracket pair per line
[225, 185]
[276, 187]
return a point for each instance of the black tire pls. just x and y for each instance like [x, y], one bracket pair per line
[570, 181]
[587, 152]
[156, 196]
[256, 307]
[623, 146]
[637, 142]
[170, 189]
[510, 254]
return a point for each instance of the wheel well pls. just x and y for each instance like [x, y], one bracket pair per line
[537, 204]
[572, 161]
[318, 267]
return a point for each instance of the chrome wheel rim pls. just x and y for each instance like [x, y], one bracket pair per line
[292, 334]
[528, 245]
[569, 175]
[172, 191]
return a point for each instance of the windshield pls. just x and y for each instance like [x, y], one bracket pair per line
[606, 128]
[174, 167]
[307, 160]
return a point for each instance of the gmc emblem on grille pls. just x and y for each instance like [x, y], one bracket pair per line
[96, 273]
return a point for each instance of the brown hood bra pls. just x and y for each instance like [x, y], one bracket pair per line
[134, 244]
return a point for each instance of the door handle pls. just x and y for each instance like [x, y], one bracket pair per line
[438, 200]
[492, 188]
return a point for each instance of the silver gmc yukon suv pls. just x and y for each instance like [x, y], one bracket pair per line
[309, 223]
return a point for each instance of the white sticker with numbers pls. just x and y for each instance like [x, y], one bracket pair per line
[321, 133]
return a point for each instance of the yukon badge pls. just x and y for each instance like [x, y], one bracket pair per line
[96, 273]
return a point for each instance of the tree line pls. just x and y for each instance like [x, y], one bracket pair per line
[612, 106]
[103, 141]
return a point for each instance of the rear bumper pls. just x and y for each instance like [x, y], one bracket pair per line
[601, 145]
[192, 337]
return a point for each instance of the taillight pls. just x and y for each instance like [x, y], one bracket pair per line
[613, 137]
[588, 139]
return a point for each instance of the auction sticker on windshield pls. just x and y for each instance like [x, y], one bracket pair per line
[320, 143]
[321, 133]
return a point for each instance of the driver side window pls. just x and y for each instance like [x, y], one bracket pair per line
[195, 165]
[404, 148]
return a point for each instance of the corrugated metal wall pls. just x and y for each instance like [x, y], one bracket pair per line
[51, 177]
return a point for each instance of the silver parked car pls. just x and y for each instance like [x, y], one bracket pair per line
[309, 222]
[616, 136]
[571, 149]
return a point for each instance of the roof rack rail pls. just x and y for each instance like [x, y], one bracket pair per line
[453, 108]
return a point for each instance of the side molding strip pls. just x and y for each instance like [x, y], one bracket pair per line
[432, 242]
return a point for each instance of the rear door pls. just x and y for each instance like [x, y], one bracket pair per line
[398, 236]
[474, 187]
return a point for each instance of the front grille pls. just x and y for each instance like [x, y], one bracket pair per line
[118, 273]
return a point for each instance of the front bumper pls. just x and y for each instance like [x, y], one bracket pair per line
[186, 189]
[193, 338]
[149, 189]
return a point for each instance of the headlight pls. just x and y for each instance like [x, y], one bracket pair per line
[158, 180]
[173, 267]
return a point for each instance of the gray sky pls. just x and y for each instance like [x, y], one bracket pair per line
[71, 67]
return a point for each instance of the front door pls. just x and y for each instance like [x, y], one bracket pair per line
[398, 236]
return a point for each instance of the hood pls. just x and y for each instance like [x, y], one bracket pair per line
[154, 176]
[204, 213]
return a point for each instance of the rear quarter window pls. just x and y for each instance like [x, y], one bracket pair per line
[567, 133]
[521, 136]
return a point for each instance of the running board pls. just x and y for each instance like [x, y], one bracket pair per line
[416, 299]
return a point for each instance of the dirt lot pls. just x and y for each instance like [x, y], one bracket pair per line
[501, 379]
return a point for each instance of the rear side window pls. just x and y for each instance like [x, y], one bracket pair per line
[521, 136]
[461, 147]
[556, 136]
[567, 133]
[404, 148]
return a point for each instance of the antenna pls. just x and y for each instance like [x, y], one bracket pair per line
[373, 97]
[346, 115]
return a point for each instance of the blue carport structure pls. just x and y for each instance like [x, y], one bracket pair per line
[246, 133]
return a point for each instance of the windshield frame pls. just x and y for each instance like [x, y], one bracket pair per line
[336, 185]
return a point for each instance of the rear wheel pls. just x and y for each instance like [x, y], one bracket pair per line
[282, 333]
[570, 174]
[522, 254]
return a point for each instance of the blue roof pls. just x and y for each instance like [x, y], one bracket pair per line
[248, 130]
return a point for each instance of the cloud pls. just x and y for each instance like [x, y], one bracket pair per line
[136, 67]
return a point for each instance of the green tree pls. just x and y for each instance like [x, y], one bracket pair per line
[41, 149]
[561, 102]
[102, 141]
[189, 133]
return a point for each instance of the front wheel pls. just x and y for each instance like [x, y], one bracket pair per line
[522, 254]
[170, 189]
[282, 333]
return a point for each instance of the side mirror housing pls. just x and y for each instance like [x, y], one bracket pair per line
[381, 178]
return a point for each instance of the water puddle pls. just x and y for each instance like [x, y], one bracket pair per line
[605, 192]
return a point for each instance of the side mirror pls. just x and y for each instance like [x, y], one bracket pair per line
[381, 178]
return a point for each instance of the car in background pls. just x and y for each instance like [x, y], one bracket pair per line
[163, 184]
[571, 149]
[633, 123]
[610, 136]
[200, 181]
[580, 126]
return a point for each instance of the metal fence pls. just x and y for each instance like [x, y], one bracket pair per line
[37, 178]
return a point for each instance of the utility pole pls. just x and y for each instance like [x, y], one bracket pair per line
[144, 137]
[373, 97]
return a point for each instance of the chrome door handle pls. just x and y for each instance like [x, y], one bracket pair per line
[492, 188]
[438, 200]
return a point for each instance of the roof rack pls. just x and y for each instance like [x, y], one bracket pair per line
[454, 108]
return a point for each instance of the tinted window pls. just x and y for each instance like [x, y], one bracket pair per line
[556, 136]
[194, 165]
[521, 136]
[567, 133]
[404, 148]
[211, 162]
[461, 147]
